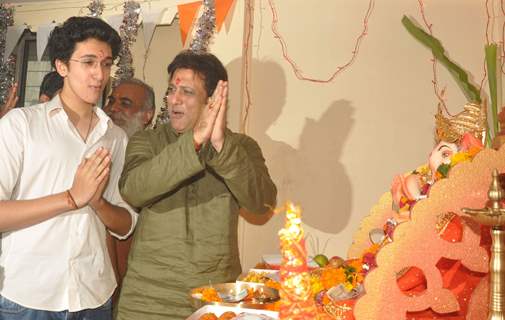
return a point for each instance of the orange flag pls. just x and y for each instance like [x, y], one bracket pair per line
[187, 14]
[222, 8]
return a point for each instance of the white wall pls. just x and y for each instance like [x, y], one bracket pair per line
[335, 147]
[331, 147]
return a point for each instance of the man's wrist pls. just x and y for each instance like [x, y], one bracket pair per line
[71, 200]
[98, 204]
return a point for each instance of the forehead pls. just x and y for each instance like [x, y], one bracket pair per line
[129, 90]
[187, 77]
[93, 47]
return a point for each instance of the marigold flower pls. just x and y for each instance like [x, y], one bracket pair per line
[356, 264]
[459, 157]
[331, 277]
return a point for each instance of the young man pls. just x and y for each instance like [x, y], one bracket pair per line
[190, 177]
[131, 105]
[60, 162]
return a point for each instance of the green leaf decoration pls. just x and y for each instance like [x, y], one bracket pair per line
[461, 76]
[491, 76]
[443, 169]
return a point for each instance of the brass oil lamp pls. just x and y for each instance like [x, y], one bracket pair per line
[494, 216]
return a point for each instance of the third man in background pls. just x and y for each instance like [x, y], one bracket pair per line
[50, 86]
[131, 105]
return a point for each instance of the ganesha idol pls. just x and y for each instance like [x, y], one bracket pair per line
[420, 256]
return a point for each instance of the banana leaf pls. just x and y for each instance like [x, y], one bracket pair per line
[491, 76]
[461, 76]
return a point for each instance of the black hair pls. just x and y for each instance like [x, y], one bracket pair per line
[206, 65]
[51, 83]
[62, 40]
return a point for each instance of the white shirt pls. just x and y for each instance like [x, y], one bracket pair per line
[61, 263]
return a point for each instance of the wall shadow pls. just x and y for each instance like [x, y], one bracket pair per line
[268, 93]
[322, 185]
[311, 175]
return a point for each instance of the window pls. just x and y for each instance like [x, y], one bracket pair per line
[30, 71]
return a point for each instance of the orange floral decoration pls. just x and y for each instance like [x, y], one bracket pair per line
[208, 294]
[419, 245]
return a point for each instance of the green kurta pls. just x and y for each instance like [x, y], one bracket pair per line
[187, 230]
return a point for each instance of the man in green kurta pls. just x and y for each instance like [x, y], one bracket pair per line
[190, 178]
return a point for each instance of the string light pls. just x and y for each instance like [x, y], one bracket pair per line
[489, 37]
[439, 94]
[502, 7]
[296, 70]
[339, 69]
[488, 23]
[246, 45]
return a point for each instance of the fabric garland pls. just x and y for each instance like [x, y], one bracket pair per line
[7, 65]
[205, 28]
[128, 32]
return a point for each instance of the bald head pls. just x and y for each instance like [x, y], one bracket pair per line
[131, 105]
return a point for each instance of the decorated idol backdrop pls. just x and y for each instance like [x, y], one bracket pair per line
[339, 94]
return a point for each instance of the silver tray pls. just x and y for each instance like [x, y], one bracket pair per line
[219, 310]
[271, 295]
[269, 273]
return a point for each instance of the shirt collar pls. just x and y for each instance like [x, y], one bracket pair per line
[55, 105]
[103, 118]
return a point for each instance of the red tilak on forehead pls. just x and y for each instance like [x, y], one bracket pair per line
[177, 81]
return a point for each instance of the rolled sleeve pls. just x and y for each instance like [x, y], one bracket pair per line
[134, 215]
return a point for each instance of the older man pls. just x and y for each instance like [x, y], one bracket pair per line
[131, 105]
[191, 178]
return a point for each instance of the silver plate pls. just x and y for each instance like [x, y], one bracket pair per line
[265, 297]
[219, 310]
